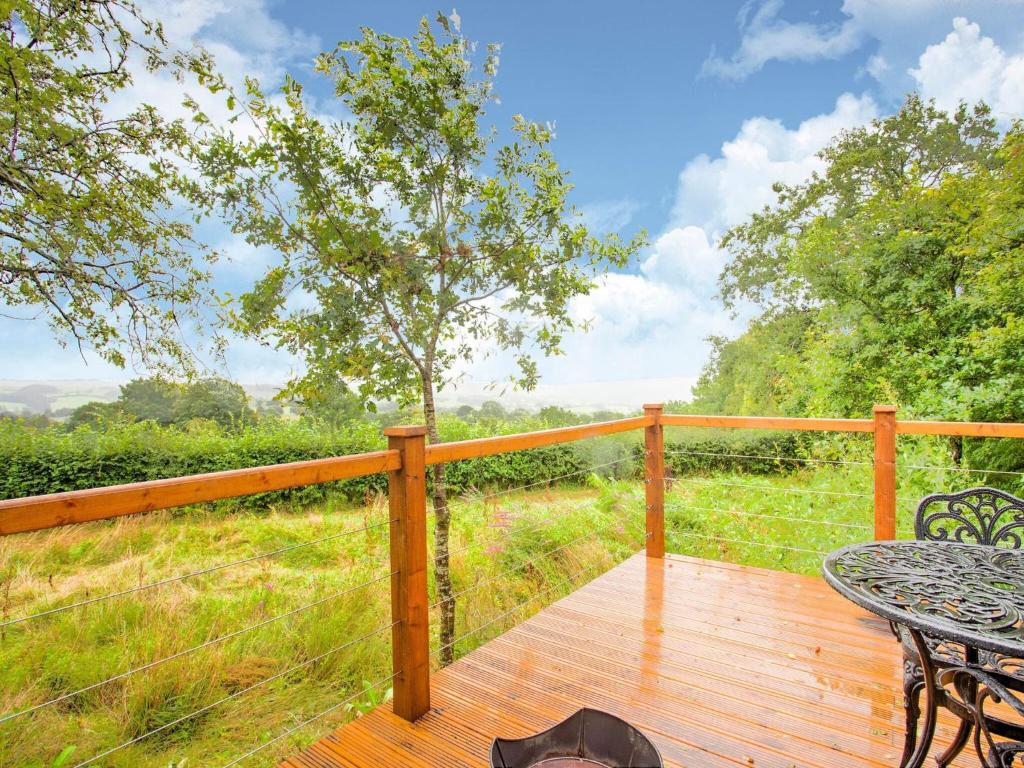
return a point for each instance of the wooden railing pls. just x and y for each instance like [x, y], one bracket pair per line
[406, 460]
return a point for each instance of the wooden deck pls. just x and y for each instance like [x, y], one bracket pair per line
[720, 665]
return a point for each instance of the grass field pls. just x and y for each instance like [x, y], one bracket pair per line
[269, 663]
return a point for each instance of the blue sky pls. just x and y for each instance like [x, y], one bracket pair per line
[672, 116]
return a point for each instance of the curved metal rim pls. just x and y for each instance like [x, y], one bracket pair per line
[563, 721]
[942, 628]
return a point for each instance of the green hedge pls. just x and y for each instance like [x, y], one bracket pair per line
[39, 461]
[696, 452]
[48, 460]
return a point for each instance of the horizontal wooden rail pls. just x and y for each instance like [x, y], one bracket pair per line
[959, 428]
[770, 422]
[38, 512]
[441, 453]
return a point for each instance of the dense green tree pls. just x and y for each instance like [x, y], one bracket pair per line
[97, 414]
[889, 276]
[491, 409]
[86, 232]
[219, 400]
[335, 405]
[418, 242]
[556, 416]
[152, 399]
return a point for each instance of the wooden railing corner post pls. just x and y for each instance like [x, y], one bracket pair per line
[410, 631]
[654, 478]
[885, 472]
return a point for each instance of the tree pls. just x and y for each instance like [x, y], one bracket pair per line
[334, 405]
[96, 413]
[219, 400]
[152, 399]
[556, 416]
[86, 234]
[867, 274]
[491, 409]
[417, 241]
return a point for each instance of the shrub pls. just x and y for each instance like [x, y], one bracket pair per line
[50, 460]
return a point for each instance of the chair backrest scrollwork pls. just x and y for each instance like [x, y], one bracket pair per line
[975, 516]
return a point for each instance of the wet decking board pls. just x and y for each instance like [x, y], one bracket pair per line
[721, 665]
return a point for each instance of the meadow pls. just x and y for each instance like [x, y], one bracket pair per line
[301, 626]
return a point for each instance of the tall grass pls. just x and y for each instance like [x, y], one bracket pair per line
[514, 552]
[50, 657]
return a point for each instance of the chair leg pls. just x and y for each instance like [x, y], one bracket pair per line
[963, 735]
[913, 684]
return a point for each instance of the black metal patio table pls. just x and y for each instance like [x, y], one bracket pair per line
[965, 599]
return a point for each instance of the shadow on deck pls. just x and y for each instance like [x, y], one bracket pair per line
[721, 665]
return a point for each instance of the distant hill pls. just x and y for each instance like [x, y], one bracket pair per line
[22, 396]
[60, 397]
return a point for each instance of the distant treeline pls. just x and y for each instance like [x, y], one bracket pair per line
[117, 445]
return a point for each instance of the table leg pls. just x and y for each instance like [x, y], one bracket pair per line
[930, 705]
[966, 689]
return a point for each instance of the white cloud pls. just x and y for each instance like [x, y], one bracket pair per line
[684, 256]
[643, 326]
[244, 41]
[766, 37]
[655, 323]
[717, 193]
[877, 66]
[968, 66]
[897, 29]
[610, 215]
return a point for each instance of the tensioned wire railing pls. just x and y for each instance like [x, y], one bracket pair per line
[406, 461]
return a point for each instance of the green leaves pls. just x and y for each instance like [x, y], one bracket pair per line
[416, 243]
[889, 276]
[87, 233]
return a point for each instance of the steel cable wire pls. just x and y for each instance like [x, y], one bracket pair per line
[679, 505]
[527, 529]
[764, 487]
[525, 563]
[235, 695]
[310, 720]
[769, 458]
[188, 651]
[513, 610]
[190, 575]
[586, 470]
[937, 468]
[748, 543]
[472, 498]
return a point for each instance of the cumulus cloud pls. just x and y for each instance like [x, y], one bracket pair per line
[968, 66]
[897, 31]
[717, 193]
[766, 37]
[609, 215]
[656, 321]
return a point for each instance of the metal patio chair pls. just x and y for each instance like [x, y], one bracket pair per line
[975, 516]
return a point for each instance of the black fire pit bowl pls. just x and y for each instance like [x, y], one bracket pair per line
[587, 739]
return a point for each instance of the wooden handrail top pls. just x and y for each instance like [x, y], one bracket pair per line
[960, 428]
[52, 510]
[38, 512]
[441, 453]
[769, 422]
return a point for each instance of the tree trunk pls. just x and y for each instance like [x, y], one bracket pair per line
[442, 526]
[956, 450]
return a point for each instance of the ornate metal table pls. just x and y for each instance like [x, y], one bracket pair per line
[962, 604]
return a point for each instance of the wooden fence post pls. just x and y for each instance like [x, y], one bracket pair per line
[410, 635]
[885, 472]
[654, 477]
